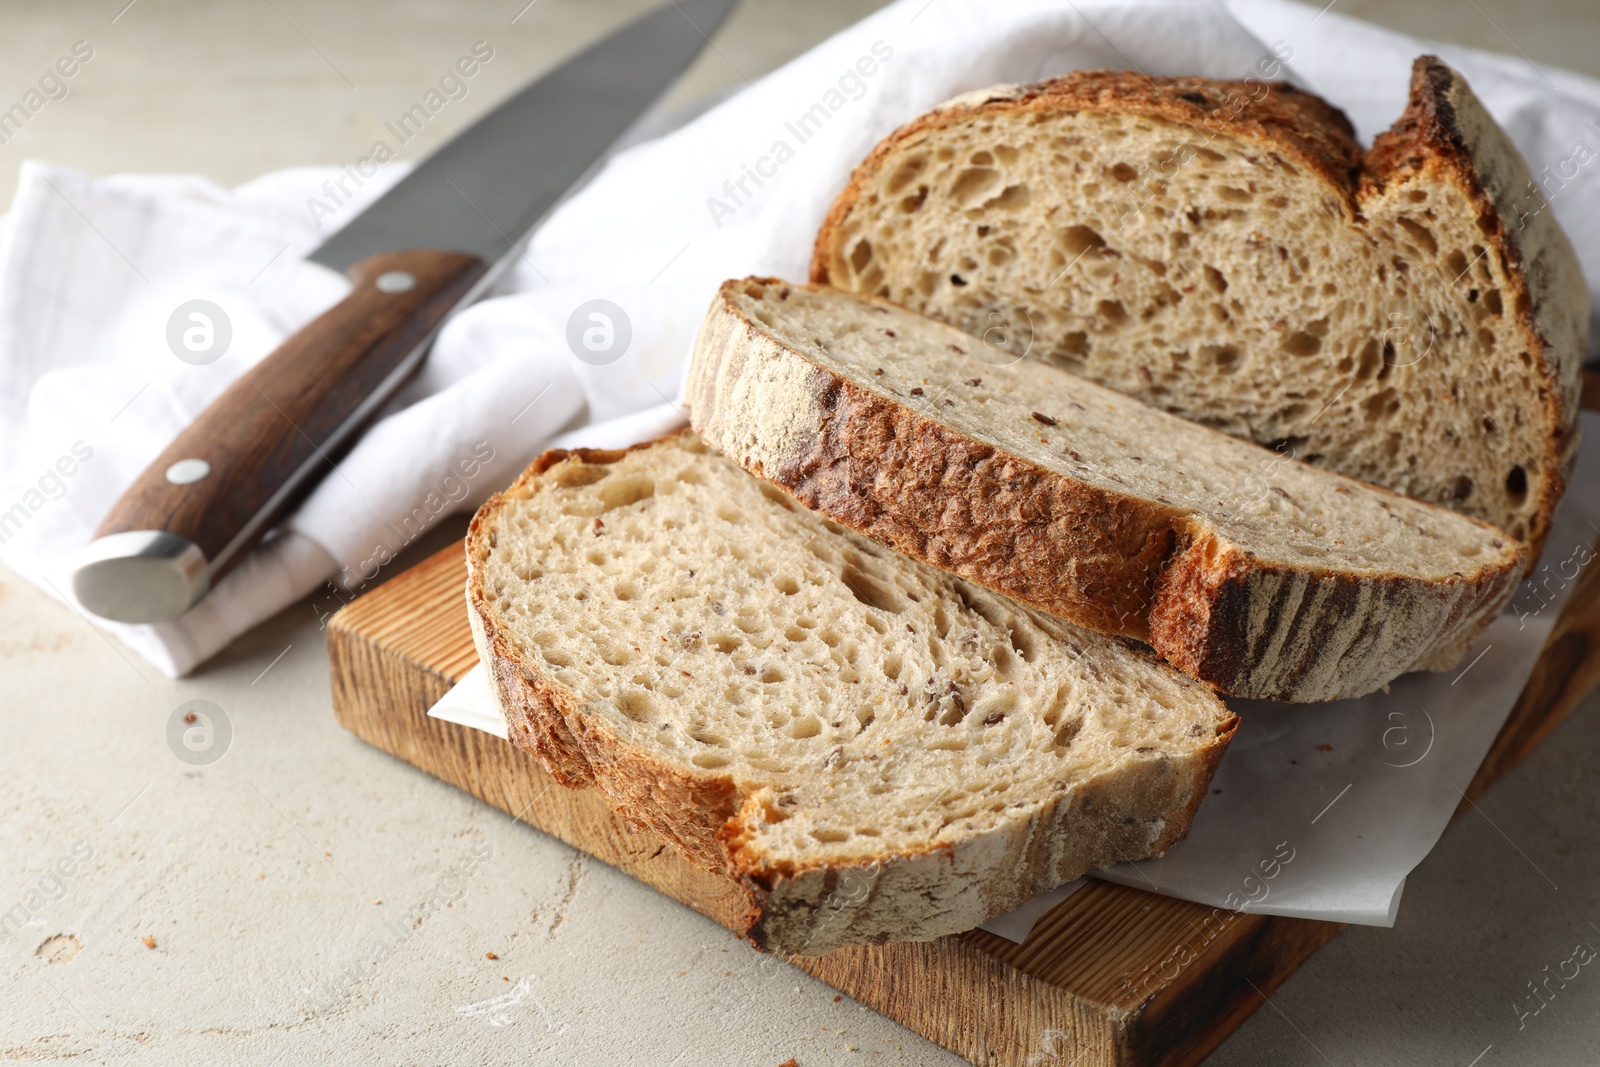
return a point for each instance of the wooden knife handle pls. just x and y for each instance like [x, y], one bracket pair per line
[1589, 399]
[278, 429]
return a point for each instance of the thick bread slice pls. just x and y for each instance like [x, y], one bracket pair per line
[1413, 316]
[879, 750]
[1262, 575]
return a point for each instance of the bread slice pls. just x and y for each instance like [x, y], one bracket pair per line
[877, 750]
[1411, 316]
[1261, 575]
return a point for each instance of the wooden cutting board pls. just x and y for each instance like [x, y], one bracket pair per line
[1111, 976]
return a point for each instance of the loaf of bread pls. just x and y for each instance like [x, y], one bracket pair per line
[1258, 574]
[1411, 316]
[875, 749]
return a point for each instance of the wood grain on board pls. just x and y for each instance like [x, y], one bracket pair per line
[1111, 977]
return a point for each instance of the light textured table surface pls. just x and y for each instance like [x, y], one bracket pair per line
[272, 883]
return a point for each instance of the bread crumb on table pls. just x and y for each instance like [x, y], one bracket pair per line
[149, 940]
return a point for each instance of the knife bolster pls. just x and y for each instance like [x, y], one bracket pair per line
[257, 450]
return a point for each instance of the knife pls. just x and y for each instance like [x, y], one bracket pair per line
[428, 247]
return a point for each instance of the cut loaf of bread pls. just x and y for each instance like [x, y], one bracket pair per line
[876, 749]
[1261, 575]
[1412, 316]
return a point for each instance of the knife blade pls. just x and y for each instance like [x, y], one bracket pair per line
[429, 246]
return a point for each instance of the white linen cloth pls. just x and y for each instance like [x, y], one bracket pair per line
[92, 269]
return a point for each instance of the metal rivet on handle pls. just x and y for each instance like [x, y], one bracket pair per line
[395, 281]
[188, 471]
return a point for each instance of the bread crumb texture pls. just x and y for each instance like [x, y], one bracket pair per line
[1264, 576]
[1411, 316]
[877, 748]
